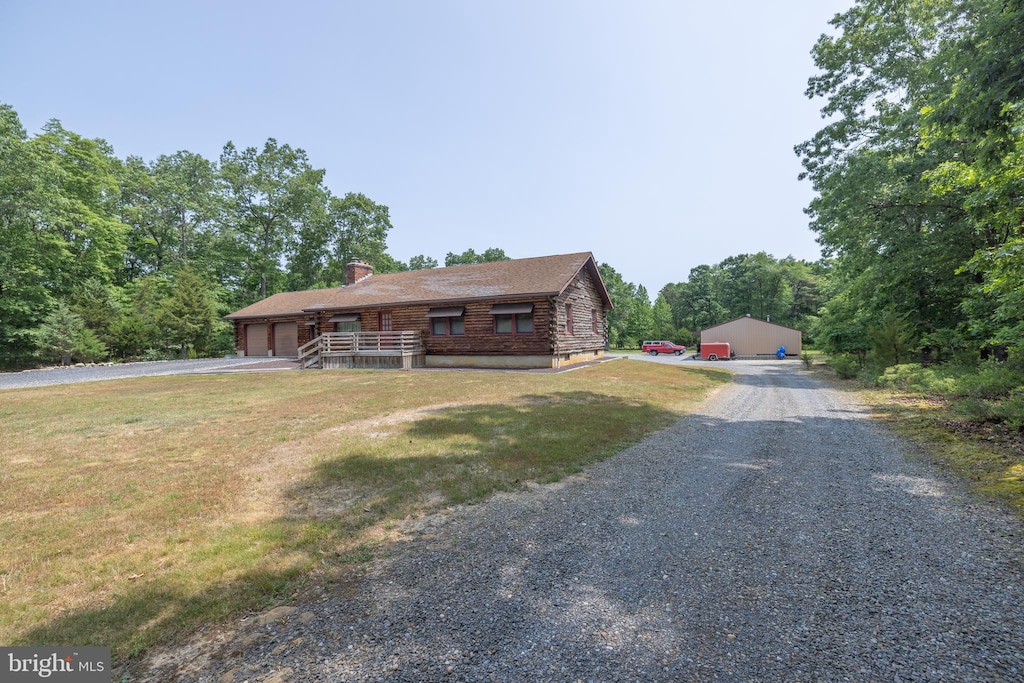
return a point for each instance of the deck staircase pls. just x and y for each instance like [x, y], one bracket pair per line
[309, 354]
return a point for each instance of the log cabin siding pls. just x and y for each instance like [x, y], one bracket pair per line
[584, 298]
[479, 338]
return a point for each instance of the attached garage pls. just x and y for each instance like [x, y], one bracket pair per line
[752, 337]
[256, 339]
[286, 339]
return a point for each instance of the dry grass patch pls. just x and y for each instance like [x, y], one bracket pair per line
[137, 509]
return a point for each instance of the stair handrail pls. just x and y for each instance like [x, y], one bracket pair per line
[310, 348]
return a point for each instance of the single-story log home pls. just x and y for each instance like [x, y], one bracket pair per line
[544, 312]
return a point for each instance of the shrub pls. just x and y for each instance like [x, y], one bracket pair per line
[975, 409]
[926, 380]
[131, 335]
[1012, 411]
[155, 354]
[992, 379]
[223, 340]
[685, 337]
[1009, 411]
[846, 365]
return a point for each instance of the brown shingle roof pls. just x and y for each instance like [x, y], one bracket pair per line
[285, 303]
[540, 276]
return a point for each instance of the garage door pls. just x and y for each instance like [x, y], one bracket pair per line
[286, 339]
[256, 340]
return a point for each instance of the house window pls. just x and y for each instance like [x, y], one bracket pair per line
[519, 323]
[447, 321]
[346, 322]
[384, 321]
[513, 318]
[568, 318]
[442, 327]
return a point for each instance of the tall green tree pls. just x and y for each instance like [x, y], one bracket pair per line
[702, 307]
[622, 295]
[422, 262]
[984, 112]
[351, 227]
[901, 244]
[189, 316]
[31, 249]
[804, 281]
[362, 228]
[272, 194]
[470, 256]
[995, 307]
[640, 323]
[57, 227]
[754, 284]
[174, 207]
[92, 238]
[137, 329]
[663, 325]
[843, 320]
[97, 305]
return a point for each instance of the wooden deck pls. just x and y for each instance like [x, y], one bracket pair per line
[394, 350]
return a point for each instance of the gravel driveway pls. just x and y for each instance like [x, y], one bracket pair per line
[98, 373]
[779, 535]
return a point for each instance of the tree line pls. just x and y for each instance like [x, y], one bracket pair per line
[122, 258]
[105, 257]
[919, 179]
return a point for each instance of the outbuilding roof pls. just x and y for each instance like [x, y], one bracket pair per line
[756, 320]
[517, 278]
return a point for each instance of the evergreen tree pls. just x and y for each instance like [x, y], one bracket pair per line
[63, 336]
[640, 323]
[189, 316]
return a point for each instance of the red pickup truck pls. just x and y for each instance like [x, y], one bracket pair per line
[656, 347]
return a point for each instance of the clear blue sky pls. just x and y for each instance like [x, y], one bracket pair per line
[657, 134]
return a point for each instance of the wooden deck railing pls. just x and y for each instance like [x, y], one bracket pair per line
[309, 354]
[405, 343]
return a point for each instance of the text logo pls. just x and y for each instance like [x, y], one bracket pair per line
[64, 664]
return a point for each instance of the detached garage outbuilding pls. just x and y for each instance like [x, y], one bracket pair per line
[752, 337]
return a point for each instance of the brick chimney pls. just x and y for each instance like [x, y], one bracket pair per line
[356, 271]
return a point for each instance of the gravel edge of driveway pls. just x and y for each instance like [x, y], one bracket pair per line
[74, 374]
